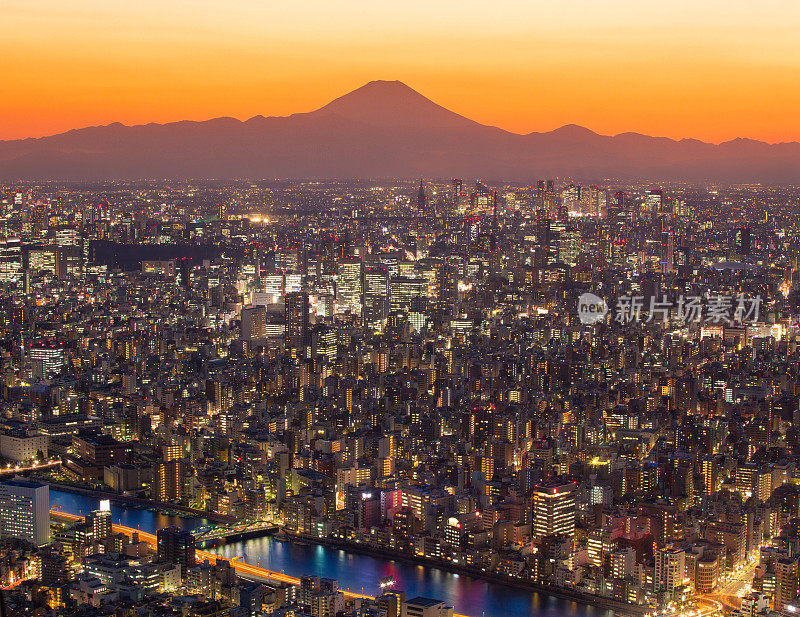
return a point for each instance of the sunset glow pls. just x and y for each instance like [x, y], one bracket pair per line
[711, 70]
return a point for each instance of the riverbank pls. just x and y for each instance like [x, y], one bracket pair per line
[619, 608]
[358, 569]
[79, 490]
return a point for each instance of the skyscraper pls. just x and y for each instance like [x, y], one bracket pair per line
[741, 240]
[175, 545]
[422, 198]
[653, 201]
[447, 277]
[667, 251]
[25, 511]
[254, 322]
[348, 293]
[376, 294]
[554, 509]
[296, 320]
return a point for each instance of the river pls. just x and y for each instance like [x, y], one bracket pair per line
[354, 571]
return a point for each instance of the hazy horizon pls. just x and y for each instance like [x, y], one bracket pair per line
[714, 72]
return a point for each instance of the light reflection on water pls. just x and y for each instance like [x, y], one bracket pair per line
[355, 571]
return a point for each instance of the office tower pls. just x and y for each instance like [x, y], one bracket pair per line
[401, 291]
[682, 257]
[548, 200]
[553, 509]
[287, 261]
[604, 244]
[296, 320]
[458, 189]
[598, 199]
[175, 545]
[184, 268]
[376, 294]
[47, 359]
[667, 251]
[254, 323]
[422, 198]
[447, 278]
[273, 286]
[348, 291]
[482, 195]
[25, 511]
[10, 260]
[653, 201]
[569, 246]
[570, 198]
[323, 342]
[741, 241]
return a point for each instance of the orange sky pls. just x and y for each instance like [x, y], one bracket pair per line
[708, 69]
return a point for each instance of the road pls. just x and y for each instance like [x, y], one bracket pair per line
[729, 595]
[246, 569]
[11, 469]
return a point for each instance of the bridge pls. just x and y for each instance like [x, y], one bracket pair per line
[246, 570]
[209, 534]
[10, 469]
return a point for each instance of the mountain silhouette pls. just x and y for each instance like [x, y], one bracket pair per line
[384, 129]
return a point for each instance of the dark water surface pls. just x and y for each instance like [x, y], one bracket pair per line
[354, 571]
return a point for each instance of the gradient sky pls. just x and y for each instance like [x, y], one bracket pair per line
[708, 69]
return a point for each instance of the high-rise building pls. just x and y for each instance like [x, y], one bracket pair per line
[10, 260]
[25, 511]
[568, 245]
[787, 582]
[741, 241]
[348, 293]
[100, 523]
[654, 201]
[297, 321]
[667, 251]
[168, 480]
[403, 289]
[254, 322]
[447, 278]
[376, 294]
[598, 199]
[554, 509]
[175, 545]
[422, 198]
[458, 188]
[47, 359]
[670, 569]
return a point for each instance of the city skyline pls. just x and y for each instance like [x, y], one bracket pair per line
[433, 309]
[714, 72]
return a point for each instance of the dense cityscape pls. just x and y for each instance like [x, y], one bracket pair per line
[578, 392]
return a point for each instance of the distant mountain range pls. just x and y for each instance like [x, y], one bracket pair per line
[384, 129]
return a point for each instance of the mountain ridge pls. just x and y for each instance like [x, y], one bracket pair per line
[383, 129]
